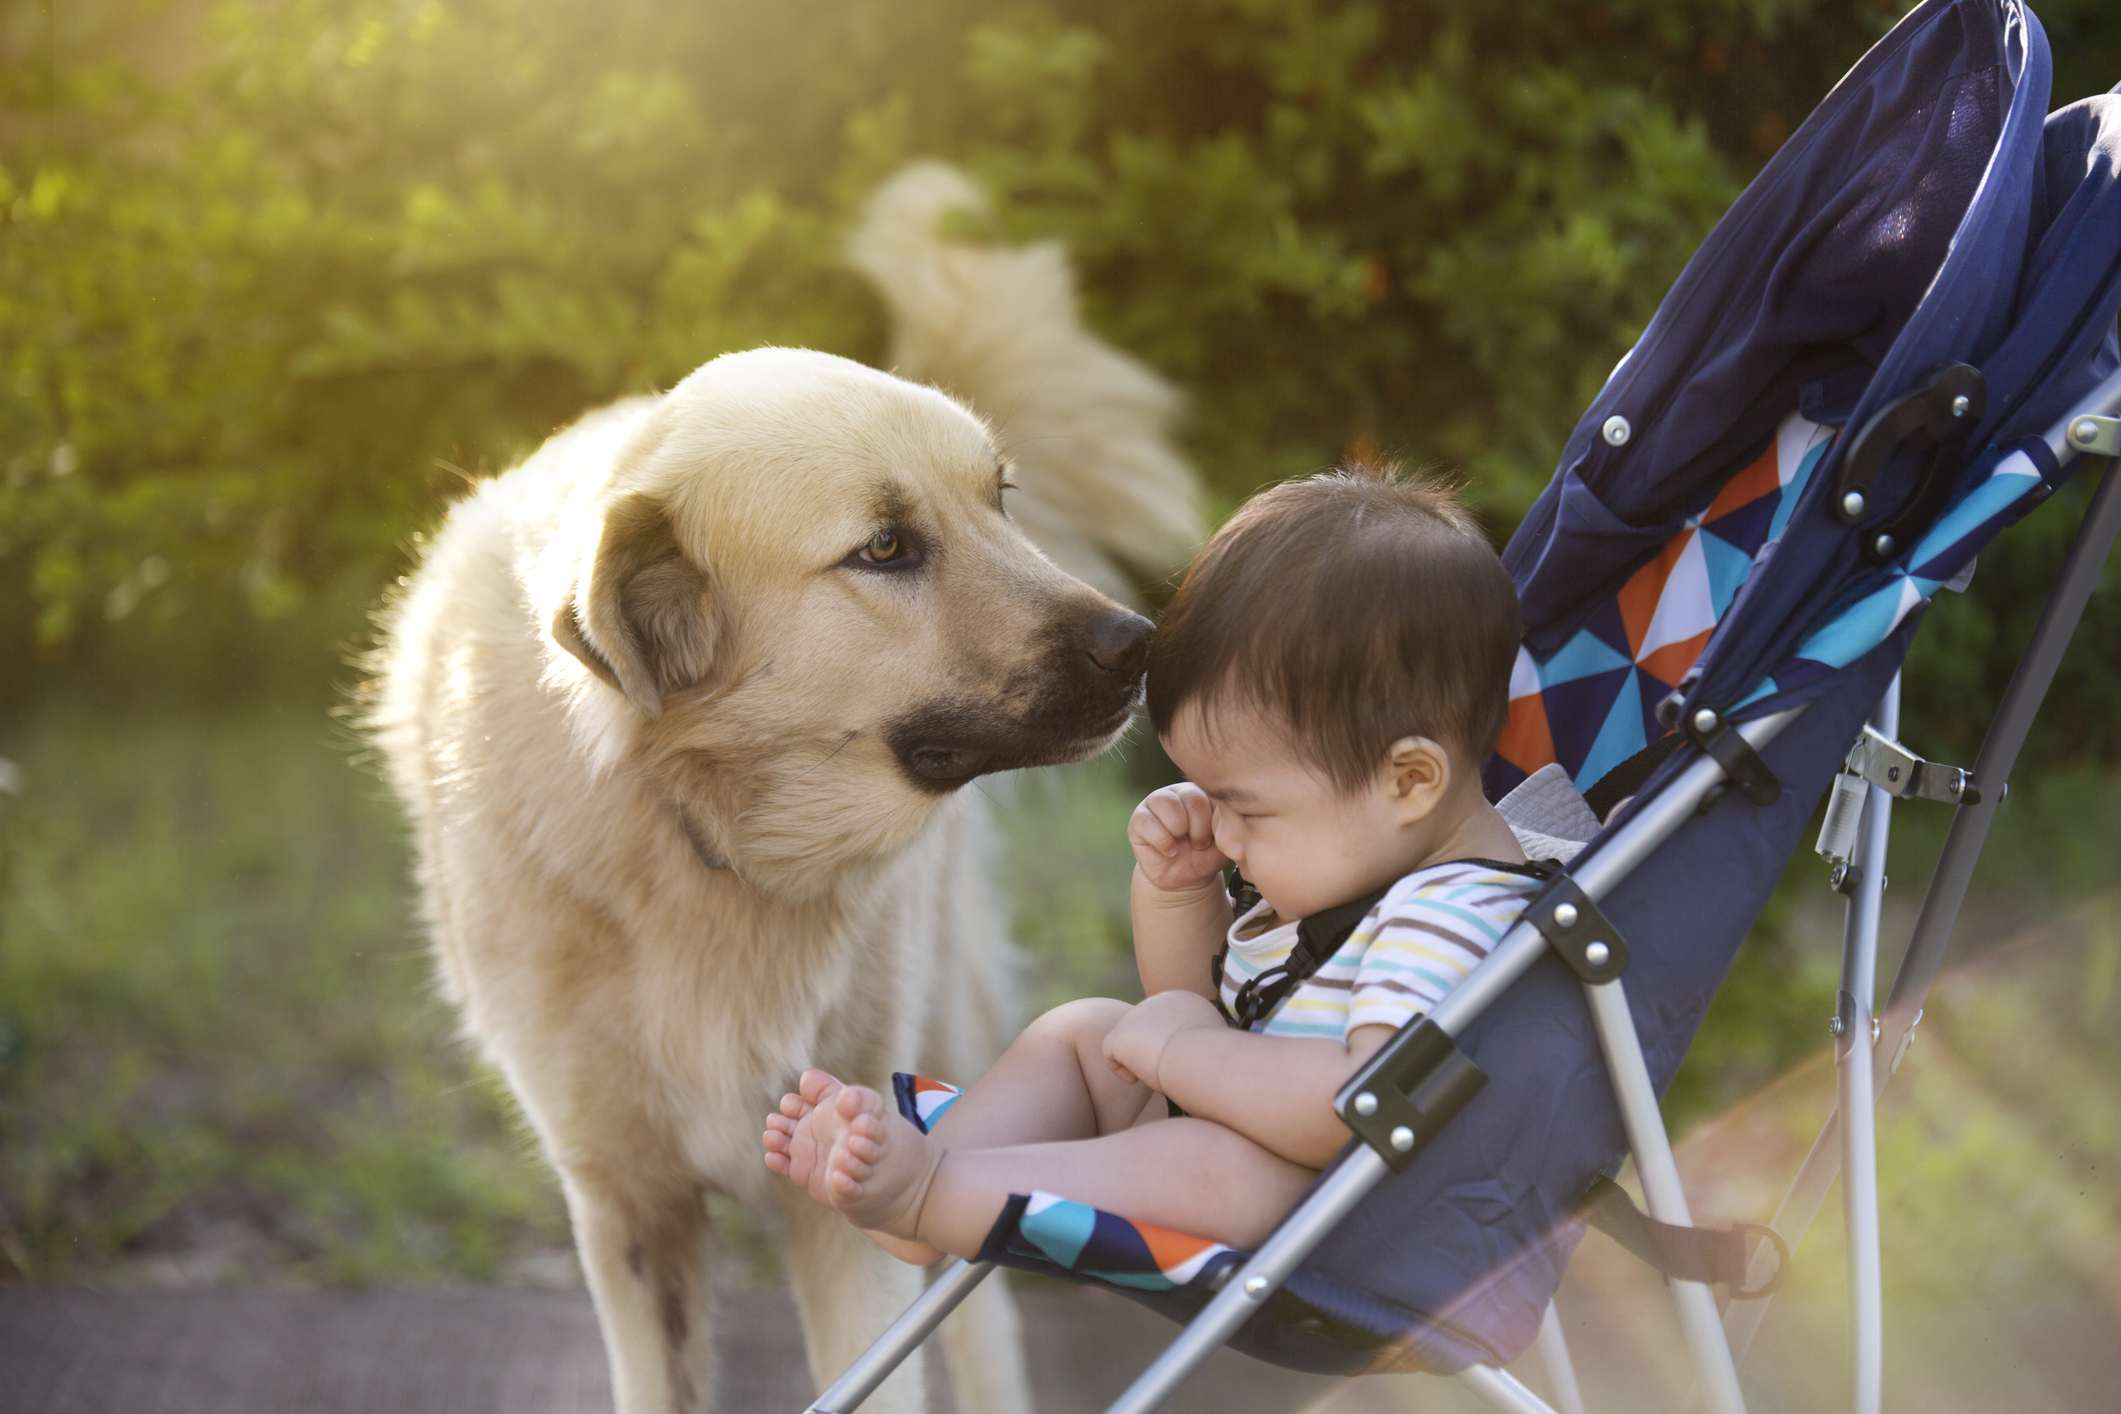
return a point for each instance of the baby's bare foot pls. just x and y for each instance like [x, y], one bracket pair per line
[879, 1166]
[797, 1150]
[798, 1138]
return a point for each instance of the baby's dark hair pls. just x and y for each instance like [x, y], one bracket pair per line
[1353, 607]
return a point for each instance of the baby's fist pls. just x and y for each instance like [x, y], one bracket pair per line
[1172, 834]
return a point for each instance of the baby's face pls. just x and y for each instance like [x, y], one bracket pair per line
[1303, 843]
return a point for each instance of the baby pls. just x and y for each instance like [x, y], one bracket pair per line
[1329, 676]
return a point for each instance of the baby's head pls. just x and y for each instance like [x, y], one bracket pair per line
[1332, 672]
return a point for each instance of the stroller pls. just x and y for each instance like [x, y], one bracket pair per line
[1900, 339]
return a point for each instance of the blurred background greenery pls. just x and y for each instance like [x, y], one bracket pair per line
[277, 279]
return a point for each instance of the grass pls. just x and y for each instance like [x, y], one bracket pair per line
[219, 1038]
[220, 1054]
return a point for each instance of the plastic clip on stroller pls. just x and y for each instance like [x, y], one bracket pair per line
[1939, 415]
[1408, 1091]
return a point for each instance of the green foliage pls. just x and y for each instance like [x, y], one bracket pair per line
[274, 279]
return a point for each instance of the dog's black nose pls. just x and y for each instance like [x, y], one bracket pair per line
[1119, 642]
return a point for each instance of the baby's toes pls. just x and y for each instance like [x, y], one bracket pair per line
[794, 1106]
[846, 1177]
[864, 1148]
[814, 1085]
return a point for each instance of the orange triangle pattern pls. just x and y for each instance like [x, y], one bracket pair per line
[1639, 596]
[1669, 663]
[1527, 742]
[1171, 1250]
[1762, 478]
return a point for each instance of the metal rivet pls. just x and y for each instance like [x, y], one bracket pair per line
[1835, 1026]
[1402, 1138]
[1877, 1029]
[1852, 504]
[1705, 721]
[1616, 431]
[1956, 784]
[1366, 1104]
[1597, 954]
[1962, 405]
[1837, 876]
[1884, 546]
[2085, 432]
[1565, 915]
[1255, 1286]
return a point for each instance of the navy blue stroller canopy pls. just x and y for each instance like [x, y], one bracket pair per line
[1828, 416]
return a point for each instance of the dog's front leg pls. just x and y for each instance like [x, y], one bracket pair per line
[849, 1290]
[643, 1249]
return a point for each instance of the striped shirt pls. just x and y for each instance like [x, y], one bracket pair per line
[1418, 942]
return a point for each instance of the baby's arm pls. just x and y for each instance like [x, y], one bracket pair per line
[1179, 907]
[1277, 1091]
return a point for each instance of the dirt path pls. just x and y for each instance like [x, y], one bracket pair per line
[467, 1351]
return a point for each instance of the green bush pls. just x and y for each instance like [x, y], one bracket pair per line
[275, 279]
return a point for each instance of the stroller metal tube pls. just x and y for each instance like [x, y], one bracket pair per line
[2080, 574]
[1661, 1188]
[902, 1338]
[1859, 1143]
[1345, 1184]
[1503, 1390]
[1554, 1359]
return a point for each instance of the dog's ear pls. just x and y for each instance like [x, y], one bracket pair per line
[639, 617]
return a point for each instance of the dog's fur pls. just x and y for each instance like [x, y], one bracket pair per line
[682, 768]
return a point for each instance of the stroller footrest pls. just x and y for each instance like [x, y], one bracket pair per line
[1406, 1093]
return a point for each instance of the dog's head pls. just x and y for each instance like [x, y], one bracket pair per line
[806, 587]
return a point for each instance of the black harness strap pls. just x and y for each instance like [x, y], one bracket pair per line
[1715, 1256]
[1317, 939]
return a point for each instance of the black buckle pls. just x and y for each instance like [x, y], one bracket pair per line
[1405, 1094]
[1941, 413]
[1573, 925]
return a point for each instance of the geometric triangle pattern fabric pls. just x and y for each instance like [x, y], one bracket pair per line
[1047, 1230]
[1882, 602]
[1591, 703]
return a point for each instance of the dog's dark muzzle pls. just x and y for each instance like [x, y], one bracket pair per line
[1067, 706]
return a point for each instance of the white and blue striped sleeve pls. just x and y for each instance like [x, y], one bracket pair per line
[1424, 938]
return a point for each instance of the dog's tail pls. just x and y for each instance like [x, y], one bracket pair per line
[1105, 491]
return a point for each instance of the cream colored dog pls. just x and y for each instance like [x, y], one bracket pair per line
[680, 709]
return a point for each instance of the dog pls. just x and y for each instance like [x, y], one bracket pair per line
[681, 710]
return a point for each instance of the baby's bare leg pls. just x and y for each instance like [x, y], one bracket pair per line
[1188, 1174]
[1052, 1083]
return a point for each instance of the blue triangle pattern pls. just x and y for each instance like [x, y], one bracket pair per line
[1576, 713]
[1727, 566]
[1582, 656]
[1620, 737]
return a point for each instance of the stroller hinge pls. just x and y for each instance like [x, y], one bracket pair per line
[1574, 926]
[1405, 1094]
[2101, 436]
[1897, 771]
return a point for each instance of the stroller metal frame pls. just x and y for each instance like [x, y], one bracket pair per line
[1846, 1143]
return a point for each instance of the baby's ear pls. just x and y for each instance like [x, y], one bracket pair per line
[639, 616]
[1416, 774]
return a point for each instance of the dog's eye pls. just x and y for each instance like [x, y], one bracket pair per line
[883, 548]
